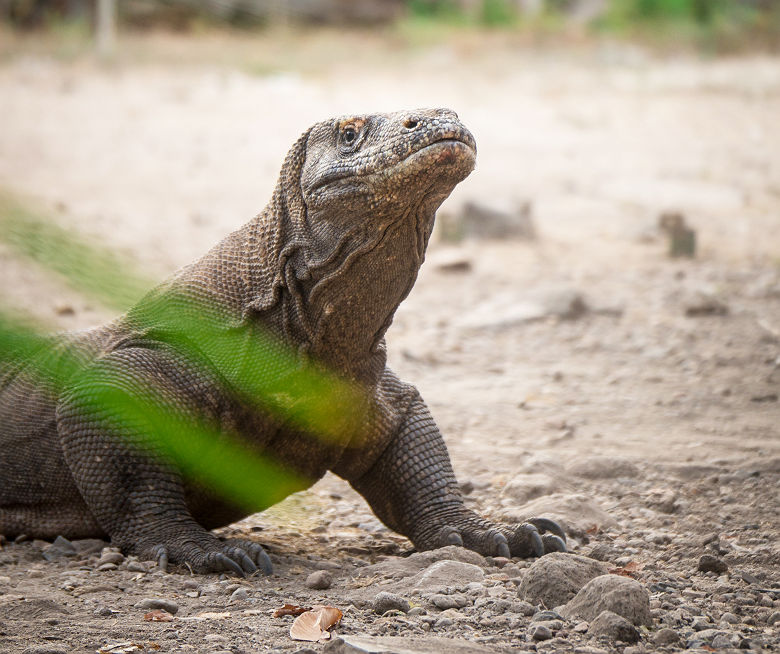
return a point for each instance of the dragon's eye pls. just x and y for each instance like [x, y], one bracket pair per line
[350, 135]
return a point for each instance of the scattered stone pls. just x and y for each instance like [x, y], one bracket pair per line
[525, 488]
[449, 260]
[523, 608]
[157, 603]
[136, 566]
[506, 310]
[400, 567]
[603, 467]
[614, 626]
[239, 595]
[662, 500]
[555, 578]
[704, 303]
[479, 220]
[455, 601]
[110, 556]
[709, 563]
[539, 632]
[773, 619]
[576, 513]
[666, 637]
[621, 595]
[384, 602]
[344, 644]
[61, 547]
[106, 567]
[319, 580]
[449, 573]
[708, 637]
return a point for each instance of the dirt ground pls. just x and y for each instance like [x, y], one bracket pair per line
[669, 370]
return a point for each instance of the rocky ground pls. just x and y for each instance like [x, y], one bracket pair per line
[581, 374]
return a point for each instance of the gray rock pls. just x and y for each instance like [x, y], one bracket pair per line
[554, 579]
[706, 637]
[239, 594]
[398, 567]
[725, 641]
[710, 563]
[523, 608]
[666, 637]
[384, 602]
[136, 566]
[621, 595]
[401, 645]
[319, 580]
[45, 649]
[448, 573]
[455, 601]
[61, 547]
[614, 627]
[110, 556]
[773, 618]
[525, 488]
[488, 221]
[574, 512]
[730, 618]
[540, 632]
[151, 603]
[603, 467]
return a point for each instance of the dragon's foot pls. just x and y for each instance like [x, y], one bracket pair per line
[210, 554]
[536, 537]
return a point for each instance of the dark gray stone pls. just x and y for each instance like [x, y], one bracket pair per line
[151, 603]
[554, 579]
[666, 637]
[319, 580]
[402, 645]
[384, 602]
[614, 627]
[710, 563]
[621, 595]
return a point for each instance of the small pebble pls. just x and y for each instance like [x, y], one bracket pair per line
[730, 618]
[773, 618]
[110, 556]
[384, 602]
[106, 567]
[239, 595]
[710, 563]
[136, 566]
[540, 632]
[319, 580]
[666, 637]
[156, 603]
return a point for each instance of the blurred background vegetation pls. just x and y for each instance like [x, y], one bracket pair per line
[716, 25]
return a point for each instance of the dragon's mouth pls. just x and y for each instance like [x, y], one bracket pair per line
[448, 148]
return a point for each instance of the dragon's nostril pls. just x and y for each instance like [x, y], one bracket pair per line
[411, 123]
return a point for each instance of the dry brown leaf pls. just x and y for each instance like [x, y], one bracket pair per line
[158, 615]
[313, 625]
[290, 609]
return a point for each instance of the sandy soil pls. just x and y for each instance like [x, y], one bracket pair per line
[160, 160]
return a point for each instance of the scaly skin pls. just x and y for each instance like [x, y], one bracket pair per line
[323, 268]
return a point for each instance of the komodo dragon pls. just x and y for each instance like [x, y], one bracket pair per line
[324, 268]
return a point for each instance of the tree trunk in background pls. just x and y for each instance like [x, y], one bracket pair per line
[105, 28]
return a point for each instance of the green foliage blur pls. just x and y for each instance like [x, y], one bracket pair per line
[291, 391]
